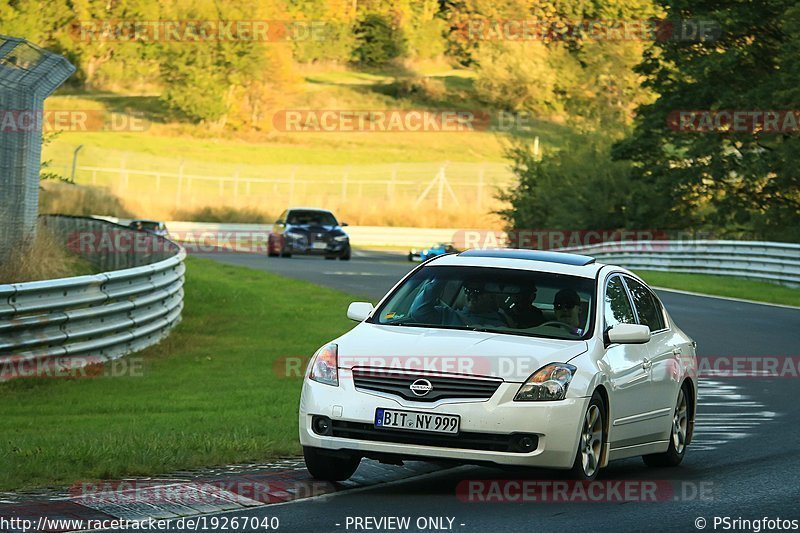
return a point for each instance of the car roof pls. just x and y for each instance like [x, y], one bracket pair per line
[146, 220]
[310, 209]
[540, 261]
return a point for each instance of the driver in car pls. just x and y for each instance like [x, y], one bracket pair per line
[482, 308]
[566, 306]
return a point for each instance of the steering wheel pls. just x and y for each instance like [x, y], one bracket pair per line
[557, 324]
[441, 302]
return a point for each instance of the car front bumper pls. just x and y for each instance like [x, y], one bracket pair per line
[556, 424]
[332, 248]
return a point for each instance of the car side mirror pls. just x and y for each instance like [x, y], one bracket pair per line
[359, 311]
[628, 334]
[343, 224]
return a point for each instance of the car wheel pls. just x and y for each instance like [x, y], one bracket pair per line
[678, 435]
[329, 467]
[345, 255]
[284, 253]
[592, 441]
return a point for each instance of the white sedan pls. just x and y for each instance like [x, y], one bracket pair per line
[511, 357]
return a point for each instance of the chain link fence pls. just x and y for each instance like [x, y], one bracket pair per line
[28, 74]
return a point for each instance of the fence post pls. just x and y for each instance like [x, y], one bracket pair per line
[123, 174]
[291, 186]
[440, 193]
[391, 186]
[180, 183]
[480, 186]
[236, 188]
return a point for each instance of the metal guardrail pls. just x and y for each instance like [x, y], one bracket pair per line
[768, 261]
[98, 317]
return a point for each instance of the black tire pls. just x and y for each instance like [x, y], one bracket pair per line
[284, 253]
[679, 434]
[273, 254]
[582, 469]
[345, 255]
[329, 467]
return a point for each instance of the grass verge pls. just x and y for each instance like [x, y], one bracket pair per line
[42, 257]
[207, 395]
[732, 287]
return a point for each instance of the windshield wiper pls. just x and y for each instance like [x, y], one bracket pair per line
[424, 325]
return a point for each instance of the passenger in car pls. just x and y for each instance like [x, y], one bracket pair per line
[520, 311]
[482, 308]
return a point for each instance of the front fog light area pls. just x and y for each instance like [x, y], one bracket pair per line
[321, 425]
[547, 384]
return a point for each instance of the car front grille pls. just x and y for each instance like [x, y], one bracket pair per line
[399, 384]
[464, 440]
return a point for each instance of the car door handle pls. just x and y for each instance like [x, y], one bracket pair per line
[647, 364]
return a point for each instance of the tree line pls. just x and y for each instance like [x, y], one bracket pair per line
[632, 160]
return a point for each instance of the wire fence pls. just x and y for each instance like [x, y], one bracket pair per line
[438, 186]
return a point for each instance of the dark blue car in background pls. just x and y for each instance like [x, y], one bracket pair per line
[308, 230]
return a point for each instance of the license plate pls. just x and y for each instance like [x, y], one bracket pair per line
[319, 245]
[416, 421]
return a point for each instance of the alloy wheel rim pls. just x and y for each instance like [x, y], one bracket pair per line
[591, 440]
[680, 423]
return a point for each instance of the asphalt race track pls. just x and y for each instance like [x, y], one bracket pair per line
[744, 461]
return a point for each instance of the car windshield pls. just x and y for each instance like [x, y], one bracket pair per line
[150, 226]
[519, 302]
[314, 218]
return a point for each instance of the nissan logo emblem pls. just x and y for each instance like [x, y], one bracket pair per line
[421, 387]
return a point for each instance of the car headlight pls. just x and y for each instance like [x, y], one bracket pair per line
[324, 365]
[548, 383]
[341, 238]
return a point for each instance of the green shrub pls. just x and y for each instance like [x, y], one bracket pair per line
[377, 41]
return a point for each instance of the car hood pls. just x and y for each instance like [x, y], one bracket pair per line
[511, 357]
[314, 228]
